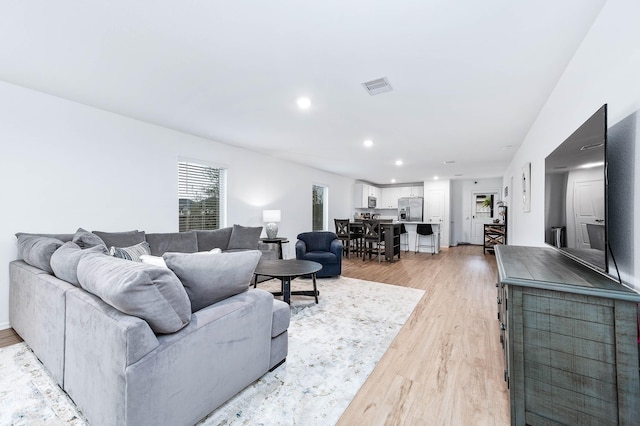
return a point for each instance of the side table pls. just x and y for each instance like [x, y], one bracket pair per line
[279, 241]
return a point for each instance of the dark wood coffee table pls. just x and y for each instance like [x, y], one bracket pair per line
[286, 270]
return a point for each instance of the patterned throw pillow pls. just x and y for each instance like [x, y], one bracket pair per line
[131, 253]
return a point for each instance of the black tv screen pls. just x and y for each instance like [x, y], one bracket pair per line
[575, 194]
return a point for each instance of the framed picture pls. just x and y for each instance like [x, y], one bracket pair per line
[526, 187]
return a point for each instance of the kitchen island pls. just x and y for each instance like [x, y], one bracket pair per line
[411, 229]
[392, 236]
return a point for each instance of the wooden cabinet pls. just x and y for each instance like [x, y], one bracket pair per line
[570, 339]
[391, 241]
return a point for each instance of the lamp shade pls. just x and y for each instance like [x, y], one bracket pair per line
[271, 216]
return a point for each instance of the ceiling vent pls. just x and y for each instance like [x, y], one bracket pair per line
[377, 86]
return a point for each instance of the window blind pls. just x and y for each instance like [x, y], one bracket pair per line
[201, 196]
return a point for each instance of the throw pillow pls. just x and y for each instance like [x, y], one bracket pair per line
[37, 251]
[131, 253]
[149, 292]
[210, 278]
[214, 238]
[121, 239]
[244, 237]
[64, 261]
[153, 260]
[62, 237]
[183, 242]
[86, 239]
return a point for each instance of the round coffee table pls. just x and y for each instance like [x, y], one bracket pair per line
[286, 270]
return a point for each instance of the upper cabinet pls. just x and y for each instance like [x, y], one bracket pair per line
[387, 198]
[361, 195]
[412, 191]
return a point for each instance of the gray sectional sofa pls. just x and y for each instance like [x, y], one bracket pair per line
[138, 344]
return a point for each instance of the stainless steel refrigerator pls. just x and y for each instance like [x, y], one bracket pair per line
[410, 209]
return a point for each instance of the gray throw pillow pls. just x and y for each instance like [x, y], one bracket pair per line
[64, 261]
[149, 292]
[37, 251]
[216, 238]
[131, 253]
[86, 239]
[244, 237]
[210, 278]
[62, 237]
[182, 242]
[121, 239]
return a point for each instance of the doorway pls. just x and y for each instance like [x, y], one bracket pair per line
[483, 211]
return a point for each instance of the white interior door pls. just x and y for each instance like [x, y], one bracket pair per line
[483, 211]
[588, 207]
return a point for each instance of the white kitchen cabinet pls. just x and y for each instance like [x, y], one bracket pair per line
[389, 198]
[361, 194]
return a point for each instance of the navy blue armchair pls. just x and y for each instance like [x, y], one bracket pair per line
[322, 247]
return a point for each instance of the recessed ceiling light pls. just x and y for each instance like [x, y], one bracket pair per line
[436, 178]
[449, 161]
[398, 162]
[393, 181]
[368, 143]
[303, 103]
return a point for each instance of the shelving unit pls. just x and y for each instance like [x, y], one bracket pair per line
[496, 233]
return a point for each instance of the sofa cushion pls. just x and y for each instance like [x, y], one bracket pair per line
[64, 261]
[183, 242]
[244, 237]
[121, 239]
[149, 292]
[85, 239]
[131, 253]
[210, 278]
[37, 251]
[62, 237]
[217, 238]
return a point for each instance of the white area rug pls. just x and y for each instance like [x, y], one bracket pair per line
[333, 348]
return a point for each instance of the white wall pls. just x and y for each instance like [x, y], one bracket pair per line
[65, 165]
[461, 206]
[605, 69]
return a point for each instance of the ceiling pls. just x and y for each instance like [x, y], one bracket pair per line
[468, 77]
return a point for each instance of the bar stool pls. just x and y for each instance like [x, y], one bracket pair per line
[373, 235]
[425, 230]
[344, 235]
[404, 241]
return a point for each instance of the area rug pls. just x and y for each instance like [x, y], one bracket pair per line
[333, 348]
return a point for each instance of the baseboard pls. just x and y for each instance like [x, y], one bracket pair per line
[4, 326]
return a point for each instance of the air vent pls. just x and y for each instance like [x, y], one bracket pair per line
[375, 87]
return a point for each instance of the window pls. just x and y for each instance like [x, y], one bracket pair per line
[201, 196]
[319, 208]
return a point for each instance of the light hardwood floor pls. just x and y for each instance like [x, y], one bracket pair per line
[445, 366]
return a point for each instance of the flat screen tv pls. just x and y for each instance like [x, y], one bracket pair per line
[576, 194]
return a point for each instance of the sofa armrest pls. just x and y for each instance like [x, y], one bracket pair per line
[301, 249]
[336, 248]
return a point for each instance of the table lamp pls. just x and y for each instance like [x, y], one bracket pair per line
[271, 217]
